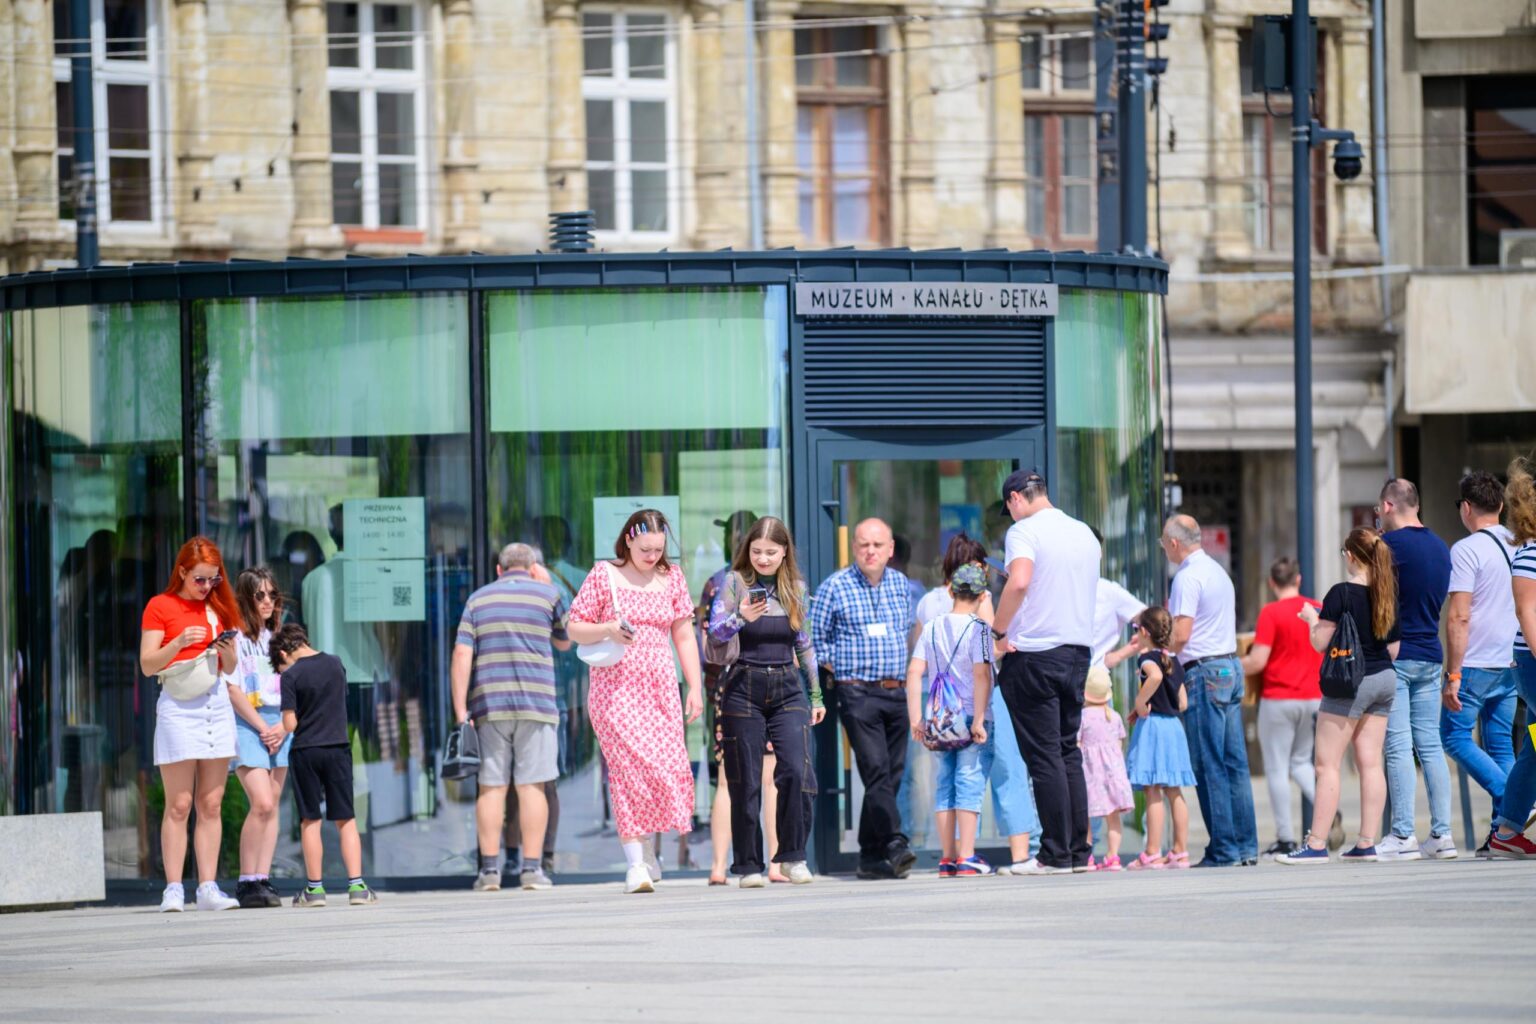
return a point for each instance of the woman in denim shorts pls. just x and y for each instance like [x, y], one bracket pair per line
[261, 744]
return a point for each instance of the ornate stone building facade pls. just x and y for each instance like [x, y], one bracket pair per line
[270, 128]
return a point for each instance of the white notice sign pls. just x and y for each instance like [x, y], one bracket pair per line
[385, 590]
[917, 298]
[385, 527]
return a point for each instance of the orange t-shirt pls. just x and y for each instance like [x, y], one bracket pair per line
[173, 614]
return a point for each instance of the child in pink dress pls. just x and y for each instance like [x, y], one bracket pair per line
[1101, 737]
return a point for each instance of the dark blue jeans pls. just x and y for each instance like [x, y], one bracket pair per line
[1214, 725]
[759, 705]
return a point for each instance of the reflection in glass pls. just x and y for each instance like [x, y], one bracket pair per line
[649, 200]
[601, 198]
[126, 25]
[647, 46]
[1031, 55]
[679, 404]
[397, 123]
[597, 44]
[342, 24]
[647, 132]
[97, 472]
[1076, 63]
[346, 121]
[856, 68]
[599, 130]
[128, 116]
[336, 451]
[393, 44]
[346, 192]
[397, 195]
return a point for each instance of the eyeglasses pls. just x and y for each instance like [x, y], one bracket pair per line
[1459, 502]
[207, 581]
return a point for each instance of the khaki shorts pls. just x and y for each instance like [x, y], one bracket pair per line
[516, 752]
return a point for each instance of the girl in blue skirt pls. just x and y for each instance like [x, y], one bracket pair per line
[1158, 761]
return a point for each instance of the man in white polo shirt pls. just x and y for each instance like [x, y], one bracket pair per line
[1204, 609]
[1048, 604]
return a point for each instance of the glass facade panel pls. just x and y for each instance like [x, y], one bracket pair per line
[1109, 438]
[321, 421]
[96, 465]
[679, 404]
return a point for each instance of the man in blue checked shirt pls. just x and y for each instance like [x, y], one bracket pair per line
[860, 620]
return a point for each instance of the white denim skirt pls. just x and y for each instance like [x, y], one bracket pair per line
[192, 730]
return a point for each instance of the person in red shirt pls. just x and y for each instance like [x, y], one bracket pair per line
[1282, 650]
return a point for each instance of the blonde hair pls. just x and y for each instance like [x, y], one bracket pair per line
[1520, 501]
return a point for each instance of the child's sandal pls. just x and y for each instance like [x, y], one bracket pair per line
[1178, 860]
[1146, 862]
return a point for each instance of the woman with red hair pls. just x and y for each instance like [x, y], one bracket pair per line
[189, 642]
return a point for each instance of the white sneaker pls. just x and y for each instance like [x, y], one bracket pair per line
[1034, 867]
[173, 900]
[799, 873]
[638, 879]
[652, 865]
[1439, 848]
[1395, 847]
[211, 897]
[753, 881]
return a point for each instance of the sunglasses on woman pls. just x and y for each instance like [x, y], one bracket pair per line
[264, 595]
[207, 581]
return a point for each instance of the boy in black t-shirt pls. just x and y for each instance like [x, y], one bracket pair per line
[314, 687]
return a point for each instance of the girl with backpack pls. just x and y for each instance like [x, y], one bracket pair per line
[1357, 633]
[1158, 761]
[943, 716]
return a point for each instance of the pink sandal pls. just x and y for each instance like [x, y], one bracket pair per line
[1178, 860]
[1110, 864]
[1146, 862]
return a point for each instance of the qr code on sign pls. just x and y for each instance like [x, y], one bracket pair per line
[402, 597]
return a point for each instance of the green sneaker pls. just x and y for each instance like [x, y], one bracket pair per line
[360, 895]
[308, 897]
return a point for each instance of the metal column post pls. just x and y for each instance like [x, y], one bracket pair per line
[1132, 53]
[1301, 267]
[84, 112]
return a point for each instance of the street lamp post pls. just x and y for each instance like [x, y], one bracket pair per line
[1301, 273]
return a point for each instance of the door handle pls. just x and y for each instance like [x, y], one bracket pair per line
[831, 506]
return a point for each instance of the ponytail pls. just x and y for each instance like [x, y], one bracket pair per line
[1159, 626]
[1366, 547]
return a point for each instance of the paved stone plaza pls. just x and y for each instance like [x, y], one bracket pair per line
[1400, 942]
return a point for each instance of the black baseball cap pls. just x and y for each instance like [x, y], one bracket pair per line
[1019, 479]
[738, 522]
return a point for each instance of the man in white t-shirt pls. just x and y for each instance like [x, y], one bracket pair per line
[1204, 609]
[1047, 605]
[1480, 632]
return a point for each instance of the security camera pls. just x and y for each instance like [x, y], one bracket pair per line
[1348, 160]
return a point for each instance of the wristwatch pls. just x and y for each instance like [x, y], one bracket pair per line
[998, 634]
[1453, 677]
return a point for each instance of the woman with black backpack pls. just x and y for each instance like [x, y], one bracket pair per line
[1357, 632]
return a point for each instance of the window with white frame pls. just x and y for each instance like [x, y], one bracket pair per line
[1056, 73]
[126, 95]
[628, 87]
[378, 110]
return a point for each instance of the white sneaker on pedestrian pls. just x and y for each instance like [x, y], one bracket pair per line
[1395, 847]
[799, 873]
[753, 881]
[1439, 848]
[211, 897]
[173, 900]
[638, 879]
[1034, 867]
[535, 880]
[652, 864]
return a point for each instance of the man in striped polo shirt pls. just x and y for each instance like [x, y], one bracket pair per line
[506, 643]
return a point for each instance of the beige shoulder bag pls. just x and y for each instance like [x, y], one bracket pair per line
[193, 678]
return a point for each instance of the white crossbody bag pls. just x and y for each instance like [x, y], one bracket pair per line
[193, 678]
[607, 652]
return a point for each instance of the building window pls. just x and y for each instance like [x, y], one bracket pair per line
[1267, 170]
[378, 110]
[840, 134]
[126, 96]
[628, 86]
[1057, 75]
[1501, 167]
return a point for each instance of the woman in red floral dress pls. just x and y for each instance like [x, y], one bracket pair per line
[634, 705]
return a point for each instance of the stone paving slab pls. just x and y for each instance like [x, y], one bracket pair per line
[1392, 942]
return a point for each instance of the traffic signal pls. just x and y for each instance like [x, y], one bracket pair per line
[1156, 32]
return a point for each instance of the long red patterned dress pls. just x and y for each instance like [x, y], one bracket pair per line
[636, 711]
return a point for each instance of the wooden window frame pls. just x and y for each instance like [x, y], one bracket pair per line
[823, 97]
[1277, 121]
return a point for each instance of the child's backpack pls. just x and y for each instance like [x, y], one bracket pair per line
[1343, 664]
[944, 721]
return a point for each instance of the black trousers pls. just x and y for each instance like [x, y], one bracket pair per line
[877, 727]
[1044, 694]
[758, 706]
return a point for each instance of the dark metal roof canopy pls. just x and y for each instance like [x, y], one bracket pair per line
[162, 282]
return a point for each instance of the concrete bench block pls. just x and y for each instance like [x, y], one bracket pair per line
[49, 859]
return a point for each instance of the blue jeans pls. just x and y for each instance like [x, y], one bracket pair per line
[1013, 798]
[1414, 725]
[962, 776]
[1214, 725]
[1488, 701]
[1520, 787]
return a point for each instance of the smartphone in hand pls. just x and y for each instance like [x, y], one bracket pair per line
[757, 595]
[228, 634]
